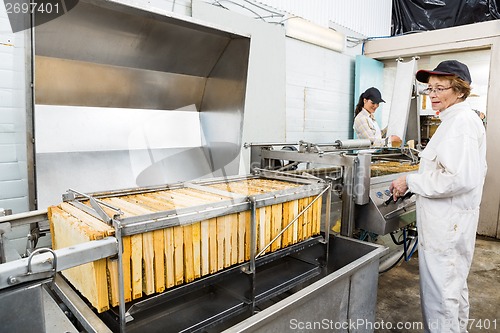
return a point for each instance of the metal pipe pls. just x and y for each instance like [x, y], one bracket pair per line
[267, 144]
[32, 217]
[121, 283]
[347, 228]
[327, 222]
[343, 144]
[353, 143]
[2, 251]
[253, 247]
[291, 176]
[30, 117]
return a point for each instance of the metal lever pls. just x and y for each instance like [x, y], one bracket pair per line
[391, 198]
[388, 201]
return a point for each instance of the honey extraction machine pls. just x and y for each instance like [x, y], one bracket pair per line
[181, 243]
[197, 257]
[362, 205]
[241, 253]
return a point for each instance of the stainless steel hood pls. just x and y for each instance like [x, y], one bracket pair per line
[110, 56]
[100, 52]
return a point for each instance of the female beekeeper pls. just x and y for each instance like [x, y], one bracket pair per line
[365, 125]
[449, 186]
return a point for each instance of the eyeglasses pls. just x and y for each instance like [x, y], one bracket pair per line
[437, 90]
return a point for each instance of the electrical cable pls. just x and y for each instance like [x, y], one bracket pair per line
[216, 2]
[258, 16]
[354, 41]
[264, 8]
[244, 7]
[288, 18]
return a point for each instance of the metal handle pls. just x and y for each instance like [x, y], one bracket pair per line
[42, 250]
[30, 276]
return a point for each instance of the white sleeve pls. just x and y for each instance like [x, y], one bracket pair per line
[457, 168]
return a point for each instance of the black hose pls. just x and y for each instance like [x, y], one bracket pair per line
[406, 242]
[396, 241]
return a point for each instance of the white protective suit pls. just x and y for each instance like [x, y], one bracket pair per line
[449, 186]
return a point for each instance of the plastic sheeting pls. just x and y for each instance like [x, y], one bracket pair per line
[422, 15]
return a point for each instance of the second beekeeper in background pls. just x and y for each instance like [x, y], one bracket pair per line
[365, 125]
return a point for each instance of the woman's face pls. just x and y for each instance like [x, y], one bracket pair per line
[442, 94]
[369, 105]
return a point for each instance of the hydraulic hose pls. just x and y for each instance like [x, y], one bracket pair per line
[397, 256]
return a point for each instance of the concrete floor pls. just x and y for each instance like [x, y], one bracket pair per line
[399, 298]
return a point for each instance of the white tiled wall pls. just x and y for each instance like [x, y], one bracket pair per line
[318, 93]
[13, 166]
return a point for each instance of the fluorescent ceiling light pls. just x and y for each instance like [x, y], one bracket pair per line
[309, 32]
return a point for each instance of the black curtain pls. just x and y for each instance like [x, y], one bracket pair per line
[421, 15]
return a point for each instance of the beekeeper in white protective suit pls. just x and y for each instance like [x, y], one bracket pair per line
[449, 186]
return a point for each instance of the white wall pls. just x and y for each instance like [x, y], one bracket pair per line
[13, 165]
[371, 18]
[319, 84]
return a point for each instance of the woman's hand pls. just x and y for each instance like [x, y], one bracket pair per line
[398, 187]
[395, 141]
[394, 138]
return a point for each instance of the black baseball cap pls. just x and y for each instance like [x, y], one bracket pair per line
[447, 67]
[373, 94]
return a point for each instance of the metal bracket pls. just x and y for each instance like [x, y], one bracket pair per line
[308, 147]
[31, 276]
[247, 269]
[5, 212]
[97, 212]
